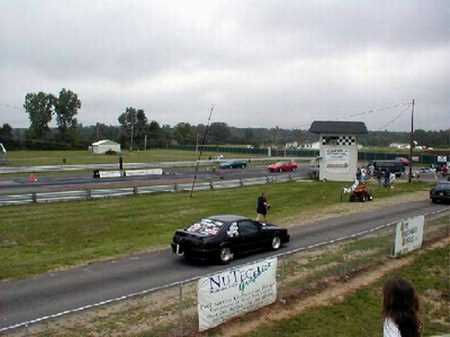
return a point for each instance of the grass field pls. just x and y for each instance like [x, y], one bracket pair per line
[25, 158]
[41, 237]
[360, 314]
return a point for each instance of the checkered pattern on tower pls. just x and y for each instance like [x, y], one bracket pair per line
[341, 140]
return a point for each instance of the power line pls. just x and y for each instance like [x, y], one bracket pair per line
[393, 120]
[367, 112]
[12, 106]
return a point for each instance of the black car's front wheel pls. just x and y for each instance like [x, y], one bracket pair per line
[225, 255]
[276, 243]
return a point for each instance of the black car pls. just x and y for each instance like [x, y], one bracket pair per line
[393, 166]
[440, 192]
[221, 237]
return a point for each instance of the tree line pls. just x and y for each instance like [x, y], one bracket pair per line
[137, 131]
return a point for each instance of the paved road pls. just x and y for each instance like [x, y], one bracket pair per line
[171, 176]
[114, 166]
[52, 293]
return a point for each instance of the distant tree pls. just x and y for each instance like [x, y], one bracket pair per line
[66, 108]
[133, 124]
[248, 136]
[39, 107]
[166, 135]
[140, 128]
[7, 136]
[183, 133]
[155, 134]
[219, 133]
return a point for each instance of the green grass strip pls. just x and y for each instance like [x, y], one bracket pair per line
[41, 237]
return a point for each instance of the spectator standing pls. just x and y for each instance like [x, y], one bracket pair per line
[262, 206]
[358, 174]
[400, 309]
[387, 177]
[379, 175]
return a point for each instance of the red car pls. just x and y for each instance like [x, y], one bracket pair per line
[283, 166]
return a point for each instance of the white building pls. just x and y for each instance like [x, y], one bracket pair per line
[310, 146]
[338, 148]
[103, 146]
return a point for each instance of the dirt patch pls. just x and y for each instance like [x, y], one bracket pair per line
[340, 209]
[336, 291]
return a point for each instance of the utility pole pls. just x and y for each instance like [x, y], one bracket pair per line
[411, 141]
[196, 141]
[205, 135]
[145, 143]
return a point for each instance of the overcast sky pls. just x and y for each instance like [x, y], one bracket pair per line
[261, 63]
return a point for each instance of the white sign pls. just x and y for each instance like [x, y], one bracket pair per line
[110, 174]
[441, 159]
[236, 291]
[409, 235]
[337, 159]
[130, 173]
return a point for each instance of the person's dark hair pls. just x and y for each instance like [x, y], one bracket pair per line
[401, 305]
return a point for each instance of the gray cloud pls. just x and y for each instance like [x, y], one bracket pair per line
[262, 63]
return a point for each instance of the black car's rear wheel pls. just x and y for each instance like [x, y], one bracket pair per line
[226, 255]
[276, 243]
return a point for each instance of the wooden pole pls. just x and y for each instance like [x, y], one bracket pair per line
[205, 135]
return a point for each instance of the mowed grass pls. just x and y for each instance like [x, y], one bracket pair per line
[26, 158]
[360, 314]
[41, 237]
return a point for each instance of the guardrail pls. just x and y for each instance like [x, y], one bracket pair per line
[98, 193]
[179, 297]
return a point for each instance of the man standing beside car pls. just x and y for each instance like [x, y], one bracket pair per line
[262, 206]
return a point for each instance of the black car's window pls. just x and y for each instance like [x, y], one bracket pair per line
[247, 227]
[445, 186]
[206, 227]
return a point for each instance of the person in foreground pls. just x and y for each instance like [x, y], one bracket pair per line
[400, 309]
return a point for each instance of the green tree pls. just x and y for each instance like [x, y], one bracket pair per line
[133, 125]
[39, 107]
[155, 135]
[66, 108]
[7, 136]
[219, 133]
[183, 133]
[140, 128]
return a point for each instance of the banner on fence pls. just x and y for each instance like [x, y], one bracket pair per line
[408, 235]
[236, 291]
[144, 172]
[110, 174]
